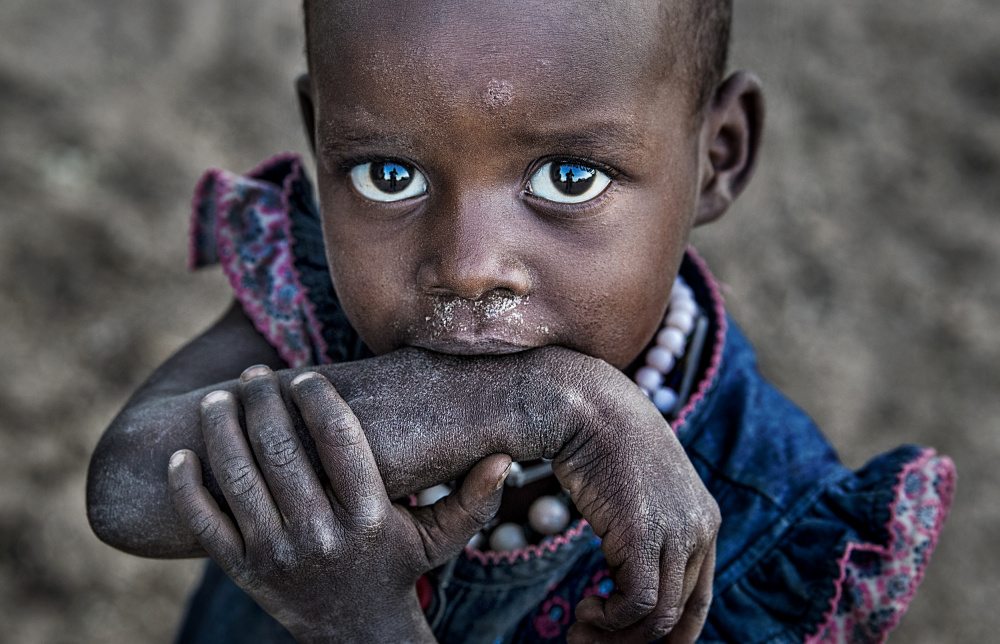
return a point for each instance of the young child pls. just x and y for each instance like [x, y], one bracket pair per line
[499, 272]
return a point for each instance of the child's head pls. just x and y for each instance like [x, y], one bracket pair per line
[502, 175]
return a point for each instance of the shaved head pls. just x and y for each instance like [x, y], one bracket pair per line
[694, 39]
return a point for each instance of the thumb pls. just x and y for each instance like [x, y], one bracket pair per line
[448, 525]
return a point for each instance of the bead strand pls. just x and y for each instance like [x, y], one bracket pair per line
[671, 342]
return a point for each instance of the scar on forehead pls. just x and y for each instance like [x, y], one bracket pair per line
[499, 93]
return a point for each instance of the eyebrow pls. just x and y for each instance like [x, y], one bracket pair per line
[611, 139]
[336, 138]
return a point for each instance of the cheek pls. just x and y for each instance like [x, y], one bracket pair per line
[367, 274]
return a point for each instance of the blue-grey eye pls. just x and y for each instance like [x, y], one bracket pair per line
[567, 182]
[388, 180]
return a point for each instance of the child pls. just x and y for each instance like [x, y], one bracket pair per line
[506, 203]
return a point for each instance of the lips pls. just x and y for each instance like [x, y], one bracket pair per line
[482, 327]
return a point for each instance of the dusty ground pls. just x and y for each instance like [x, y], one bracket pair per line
[863, 262]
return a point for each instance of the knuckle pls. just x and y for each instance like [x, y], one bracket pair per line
[659, 625]
[341, 430]
[205, 527]
[282, 451]
[700, 604]
[238, 475]
[370, 520]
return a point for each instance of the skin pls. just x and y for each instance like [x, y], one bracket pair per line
[470, 291]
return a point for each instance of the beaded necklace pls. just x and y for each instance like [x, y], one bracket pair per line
[666, 378]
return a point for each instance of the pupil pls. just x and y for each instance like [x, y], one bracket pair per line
[390, 176]
[572, 179]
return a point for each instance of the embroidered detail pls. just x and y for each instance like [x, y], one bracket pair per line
[242, 223]
[877, 582]
[554, 618]
[601, 585]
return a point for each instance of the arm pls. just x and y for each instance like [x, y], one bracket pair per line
[428, 417]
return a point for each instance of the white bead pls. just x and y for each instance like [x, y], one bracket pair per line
[672, 340]
[681, 320]
[648, 378]
[432, 495]
[665, 399]
[660, 359]
[687, 305]
[507, 537]
[681, 291]
[548, 515]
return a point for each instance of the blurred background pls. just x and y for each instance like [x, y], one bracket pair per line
[863, 261]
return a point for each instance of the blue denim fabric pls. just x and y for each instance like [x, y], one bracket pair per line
[789, 509]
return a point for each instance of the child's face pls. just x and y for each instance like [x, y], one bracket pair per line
[445, 225]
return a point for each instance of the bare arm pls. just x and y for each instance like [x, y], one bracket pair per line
[428, 418]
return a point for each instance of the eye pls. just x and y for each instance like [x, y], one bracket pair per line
[388, 180]
[567, 182]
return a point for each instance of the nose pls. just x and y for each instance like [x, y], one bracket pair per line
[473, 250]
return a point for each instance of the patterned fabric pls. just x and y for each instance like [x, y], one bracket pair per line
[877, 582]
[808, 551]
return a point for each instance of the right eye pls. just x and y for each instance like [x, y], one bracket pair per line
[388, 180]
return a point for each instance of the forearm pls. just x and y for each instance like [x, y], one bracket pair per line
[428, 419]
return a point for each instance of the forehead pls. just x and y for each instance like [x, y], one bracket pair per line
[495, 56]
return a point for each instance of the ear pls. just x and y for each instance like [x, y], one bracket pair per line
[730, 135]
[303, 88]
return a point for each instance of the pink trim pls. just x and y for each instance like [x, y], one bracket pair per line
[552, 545]
[719, 309]
[227, 255]
[302, 293]
[831, 630]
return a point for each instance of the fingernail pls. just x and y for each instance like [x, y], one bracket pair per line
[302, 377]
[177, 458]
[215, 397]
[503, 477]
[254, 372]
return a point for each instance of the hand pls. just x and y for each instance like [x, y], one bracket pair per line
[630, 478]
[330, 564]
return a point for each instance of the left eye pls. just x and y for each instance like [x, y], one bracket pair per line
[388, 180]
[567, 182]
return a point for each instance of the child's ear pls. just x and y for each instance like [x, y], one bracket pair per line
[303, 88]
[731, 142]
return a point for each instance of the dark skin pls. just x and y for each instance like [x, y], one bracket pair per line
[528, 295]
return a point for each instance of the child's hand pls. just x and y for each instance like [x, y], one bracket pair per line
[331, 564]
[631, 479]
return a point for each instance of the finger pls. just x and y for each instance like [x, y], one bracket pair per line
[637, 576]
[697, 605]
[199, 511]
[235, 469]
[675, 587]
[447, 526]
[290, 477]
[343, 449]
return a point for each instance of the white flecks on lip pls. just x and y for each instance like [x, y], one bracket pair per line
[455, 314]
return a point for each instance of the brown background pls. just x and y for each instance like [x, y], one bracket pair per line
[863, 262]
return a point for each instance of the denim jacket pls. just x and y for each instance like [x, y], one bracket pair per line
[808, 550]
